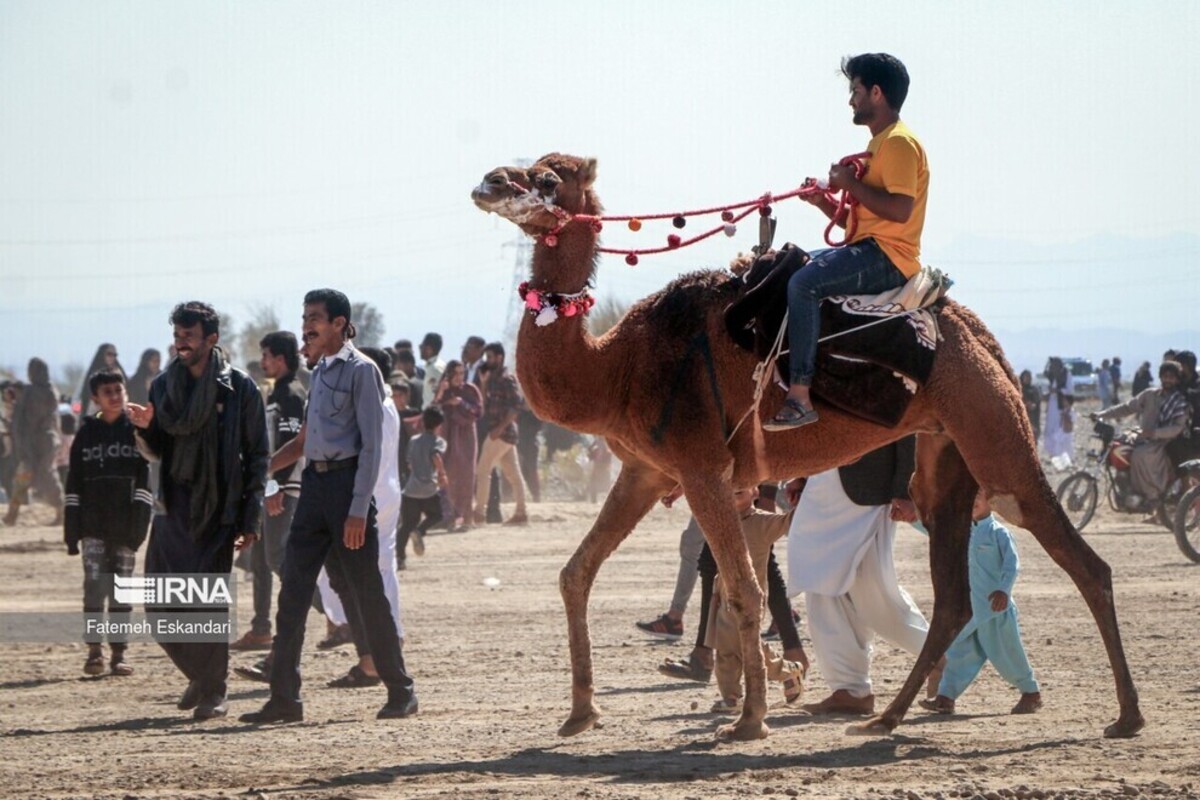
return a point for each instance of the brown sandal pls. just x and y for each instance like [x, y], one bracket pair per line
[94, 664]
[689, 669]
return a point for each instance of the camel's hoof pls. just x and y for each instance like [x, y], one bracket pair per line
[576, 725]
[743, 731]
[875, 726]
[1124, 728]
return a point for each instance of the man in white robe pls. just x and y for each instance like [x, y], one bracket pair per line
[840, 556]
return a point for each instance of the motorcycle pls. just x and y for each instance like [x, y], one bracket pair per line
[1187, 512]
[1178, 509]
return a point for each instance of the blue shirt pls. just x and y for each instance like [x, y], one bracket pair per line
[992, 562]
[345, 418]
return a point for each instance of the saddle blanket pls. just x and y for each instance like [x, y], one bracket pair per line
[875, 351]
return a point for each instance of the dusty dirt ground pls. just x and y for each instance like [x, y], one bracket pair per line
[492, 675]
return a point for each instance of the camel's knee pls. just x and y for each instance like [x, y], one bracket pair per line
[570, 582]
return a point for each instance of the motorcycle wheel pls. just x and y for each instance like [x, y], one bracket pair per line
[1187, 524]
[1078, 495]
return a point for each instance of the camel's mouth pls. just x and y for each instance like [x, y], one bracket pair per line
[515, 203]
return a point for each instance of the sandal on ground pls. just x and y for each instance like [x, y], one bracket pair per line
[94, 664]
[793, 681]
[689, 669]
[791, 415]
[120, 668]
[723, 705]
[356, 678]
[938, 705]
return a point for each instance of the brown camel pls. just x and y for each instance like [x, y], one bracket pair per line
[666, 386]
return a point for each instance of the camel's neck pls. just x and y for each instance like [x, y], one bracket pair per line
[564, 375]
[567, 267]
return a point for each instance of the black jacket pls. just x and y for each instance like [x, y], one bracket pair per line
[108, 487]
[243, 448]
[882, 475]
[285, 417]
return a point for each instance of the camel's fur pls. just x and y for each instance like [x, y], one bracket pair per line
[649, 387]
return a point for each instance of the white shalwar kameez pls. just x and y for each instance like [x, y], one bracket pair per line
[1059, 443]
[840, 556]
[387, 517]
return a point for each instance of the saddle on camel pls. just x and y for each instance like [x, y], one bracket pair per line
[667, 387]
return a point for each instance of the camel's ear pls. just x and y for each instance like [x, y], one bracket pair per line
[587, 173]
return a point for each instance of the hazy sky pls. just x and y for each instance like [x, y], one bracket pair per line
[245, 152]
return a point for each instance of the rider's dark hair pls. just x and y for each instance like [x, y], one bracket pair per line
[882, 70]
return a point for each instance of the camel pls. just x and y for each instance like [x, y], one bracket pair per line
[667, 385]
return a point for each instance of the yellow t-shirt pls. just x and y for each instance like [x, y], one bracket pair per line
[897, 165]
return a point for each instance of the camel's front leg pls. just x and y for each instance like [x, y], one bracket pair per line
[711, 501]
[634, 493]
[943, 491]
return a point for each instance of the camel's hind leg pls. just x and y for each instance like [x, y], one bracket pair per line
[633, 494]
[1041, 514]
[711, 501]
[974, 395]
[943, 490]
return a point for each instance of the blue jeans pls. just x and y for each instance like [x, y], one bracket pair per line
[859, 268]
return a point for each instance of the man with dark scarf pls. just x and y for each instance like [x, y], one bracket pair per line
[205, 422]
[1162, 416]
[36, 439]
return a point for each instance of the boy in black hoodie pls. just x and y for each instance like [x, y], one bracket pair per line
[108, 507]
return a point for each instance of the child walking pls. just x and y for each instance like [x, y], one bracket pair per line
[993, 632]
[761, 530]
[426, 474]
[108, 507]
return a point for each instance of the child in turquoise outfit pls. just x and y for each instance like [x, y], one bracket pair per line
[993, 632]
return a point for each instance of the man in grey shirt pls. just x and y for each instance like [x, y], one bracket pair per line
[335, 518]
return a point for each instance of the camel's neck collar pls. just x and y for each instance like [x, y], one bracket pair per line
[545, 307]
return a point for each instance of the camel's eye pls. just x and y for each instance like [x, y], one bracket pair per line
[548, 181]
[497, 179]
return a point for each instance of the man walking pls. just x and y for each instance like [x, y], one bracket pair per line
[205, 422]
[840, 556]
[336, 514]
[285, 414]
[501, 405]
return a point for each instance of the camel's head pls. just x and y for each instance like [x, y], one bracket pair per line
[541, 198]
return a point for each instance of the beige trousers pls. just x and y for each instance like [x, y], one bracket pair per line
[498, 451]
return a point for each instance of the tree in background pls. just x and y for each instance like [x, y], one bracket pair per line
[369, 323]
[263, 320]
[229, 337]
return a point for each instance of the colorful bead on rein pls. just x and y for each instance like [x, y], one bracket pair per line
[545, 307]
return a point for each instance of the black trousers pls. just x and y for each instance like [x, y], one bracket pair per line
[412, 509]
[172, 549]
[266, 560]
[315, 537]
[778, 604]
